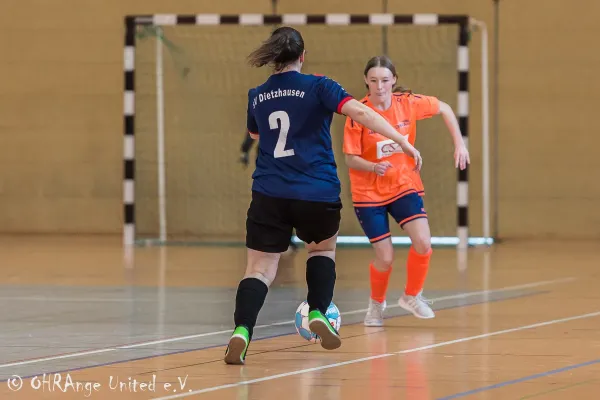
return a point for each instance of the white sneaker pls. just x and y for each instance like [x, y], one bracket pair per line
[417, 305]
[374, 315]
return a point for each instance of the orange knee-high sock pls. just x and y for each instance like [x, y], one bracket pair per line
[417, 266]
[379, 283]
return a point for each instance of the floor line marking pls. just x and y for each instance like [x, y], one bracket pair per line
[358, 360]
[207, 334]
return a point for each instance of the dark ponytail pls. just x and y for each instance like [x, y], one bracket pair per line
[283, 47]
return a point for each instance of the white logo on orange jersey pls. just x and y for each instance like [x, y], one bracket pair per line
[386, 148]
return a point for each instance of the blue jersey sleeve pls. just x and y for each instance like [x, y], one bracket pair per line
[251, 124]
[332, 94]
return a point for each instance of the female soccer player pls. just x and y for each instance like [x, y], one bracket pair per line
[295, 182]
[383, 181]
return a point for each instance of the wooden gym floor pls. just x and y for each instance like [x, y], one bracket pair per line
[517, 321]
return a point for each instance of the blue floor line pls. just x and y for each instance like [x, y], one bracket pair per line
[524, 379]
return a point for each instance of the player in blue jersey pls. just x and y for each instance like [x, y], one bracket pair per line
[295, 182]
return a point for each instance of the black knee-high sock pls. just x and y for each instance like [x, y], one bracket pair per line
[249, 300]
[320, 279]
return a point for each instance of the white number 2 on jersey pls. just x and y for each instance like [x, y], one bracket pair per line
[284, 127]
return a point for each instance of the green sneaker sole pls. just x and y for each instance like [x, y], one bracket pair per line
[330, 339]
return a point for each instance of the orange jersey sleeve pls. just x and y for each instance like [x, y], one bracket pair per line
[353, 137]
[425, 106]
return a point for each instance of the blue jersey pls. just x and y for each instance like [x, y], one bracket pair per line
[292, 114]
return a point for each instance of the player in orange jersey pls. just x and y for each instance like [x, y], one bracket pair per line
[384, 181]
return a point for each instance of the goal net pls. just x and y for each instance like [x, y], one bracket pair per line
[190, 89]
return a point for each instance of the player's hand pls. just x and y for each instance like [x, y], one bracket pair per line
[461, 157]
[244, 159]
[381, 167]
[418, 160]
[410, 151]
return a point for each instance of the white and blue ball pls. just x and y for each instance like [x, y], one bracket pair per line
[301, 321]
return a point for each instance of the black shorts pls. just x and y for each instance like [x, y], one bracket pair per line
[271, 220]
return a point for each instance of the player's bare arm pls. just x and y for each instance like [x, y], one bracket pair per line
[360, 164]
[461, 153]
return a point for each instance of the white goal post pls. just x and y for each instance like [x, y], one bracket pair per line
[465, 25]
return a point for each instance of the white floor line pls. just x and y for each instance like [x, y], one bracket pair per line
[207, 334]
[358, 360]
[50, 299]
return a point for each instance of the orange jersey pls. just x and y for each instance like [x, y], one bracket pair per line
[369, 189]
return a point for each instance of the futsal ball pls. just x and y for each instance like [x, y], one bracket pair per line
[301, 321]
